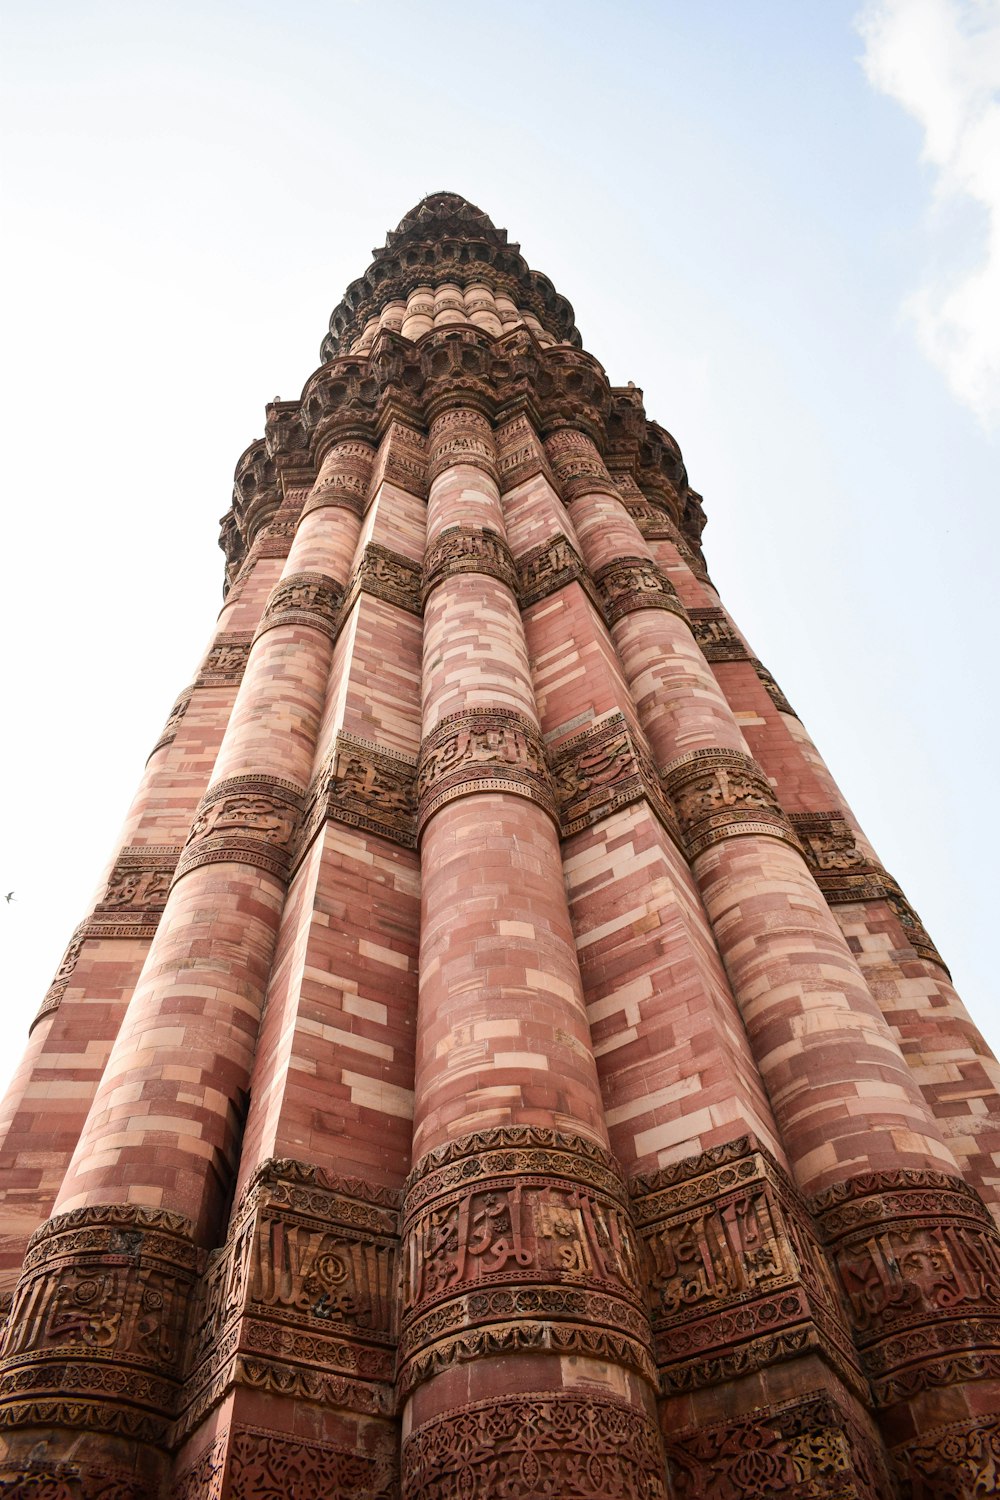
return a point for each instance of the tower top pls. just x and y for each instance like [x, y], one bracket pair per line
[445, 238]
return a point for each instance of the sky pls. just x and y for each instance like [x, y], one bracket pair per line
[780, 219]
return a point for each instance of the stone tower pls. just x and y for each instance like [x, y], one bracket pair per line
[496, 1064]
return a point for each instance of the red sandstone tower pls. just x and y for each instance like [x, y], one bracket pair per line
[496, 1064]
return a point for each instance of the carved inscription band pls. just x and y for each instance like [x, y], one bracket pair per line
[97, 1331]
[226, 661]
[343, 479]
[482, 750]
[844, 873]
[250, 820]
[918, 1259]
[578, 466]
[466, 549]
[722, 793]
[386, 575]
[303, 599]
[461, 436]
[602, 769]
[546, 569]
[363, 786]
[632, 583]
[519, 1239]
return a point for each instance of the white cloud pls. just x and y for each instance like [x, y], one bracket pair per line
[940, 60]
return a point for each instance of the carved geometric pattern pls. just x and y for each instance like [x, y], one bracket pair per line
[250, 820]
[388, 576]
[774, 692]
[304, 599]
[844, 873]
[566, 1445]
[96, 1335]
[501, 1236]
[722, 793]
[169, 731]
[363, 786]
[808, 1449]
[226, 661]
[736, 1276]
[402, 461]
[272, 1466]
[467, 549]
[602, 769]
[461, 436]
[550, 567]
[918, 1258]
[482, 750]
[36, 1479]
[631, 583]
[136, 893]
[716, 637]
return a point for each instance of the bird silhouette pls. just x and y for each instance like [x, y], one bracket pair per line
[9, 897]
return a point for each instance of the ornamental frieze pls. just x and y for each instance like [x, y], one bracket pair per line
[343, 479]
[578, 466]
[602, 769]
[136, 893]
[579, 1447]
[364, 786]
[550, 567]
[917, 1256]
[520, 455]
[482, 750]
[716, 637]
[226, 661]
[60, 982]
[98, 1321]
[250, 820]
[631, 583]
[845, 873]
[952, 1462]
[461, 435]
[735, 1273]
[260, 1463]
[468, 549]
[719, 794]
[772, 689]
[388, 576]
[169, 731]
[806, 1448]
[402, 461]
[304, 599]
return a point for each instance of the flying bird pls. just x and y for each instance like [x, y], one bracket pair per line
[9, 897]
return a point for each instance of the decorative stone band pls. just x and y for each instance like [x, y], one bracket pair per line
[652, 521]
[719, 794]
[844, 874]
[136, 893]
[248, 820]
[953, 1461]
[402, 461]
[169, 731]
[461, 435]
[546, 569]
[364, 786]
[52, 998]
[467, 549]
[344, 479]
[386, 575]
[301, 1302]
[809, 1447]
[482, 750]
[774, 692]
[98, 1323]
[245, 1463]
[917, 1255]
[578, 466]
[520, 455]
[578, 1445]
[303, 599]
[226, 661]
[736, 1277]
[518, 1239]
[716, 637]
[631, 583]
[603, 768]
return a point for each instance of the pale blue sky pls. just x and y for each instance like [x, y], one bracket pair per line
[744, 225]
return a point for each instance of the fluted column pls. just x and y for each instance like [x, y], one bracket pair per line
[858, 1134]
[524, 1344]
[155, 1160]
